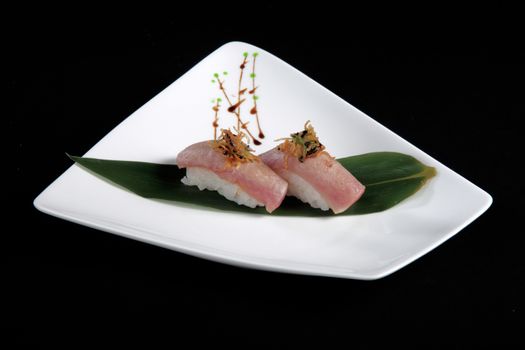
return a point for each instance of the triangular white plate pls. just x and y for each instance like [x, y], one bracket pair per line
[362, 247]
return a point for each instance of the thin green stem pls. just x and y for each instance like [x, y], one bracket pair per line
[261, 134]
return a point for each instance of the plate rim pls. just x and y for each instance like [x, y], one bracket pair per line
[235, 259]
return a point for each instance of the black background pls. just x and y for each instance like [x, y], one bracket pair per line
[458, 95]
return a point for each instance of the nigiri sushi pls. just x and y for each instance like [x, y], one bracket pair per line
[228, 166]
[312, 174]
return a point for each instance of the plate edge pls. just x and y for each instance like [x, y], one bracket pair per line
[224, 258]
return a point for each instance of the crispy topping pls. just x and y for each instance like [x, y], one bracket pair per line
[232, 146]
[303, 144]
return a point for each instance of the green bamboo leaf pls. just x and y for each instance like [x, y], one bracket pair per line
[389, 178]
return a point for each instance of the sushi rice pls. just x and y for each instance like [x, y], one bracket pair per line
[206, 179]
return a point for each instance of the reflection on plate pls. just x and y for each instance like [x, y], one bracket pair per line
[362, 247]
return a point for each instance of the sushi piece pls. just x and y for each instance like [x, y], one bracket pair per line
[228, 166]
[312, 174]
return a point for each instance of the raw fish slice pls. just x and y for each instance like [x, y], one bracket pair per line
[319, 180]
[254, 178]
[312, 174]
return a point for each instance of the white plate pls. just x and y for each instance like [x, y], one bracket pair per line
[362, 247]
